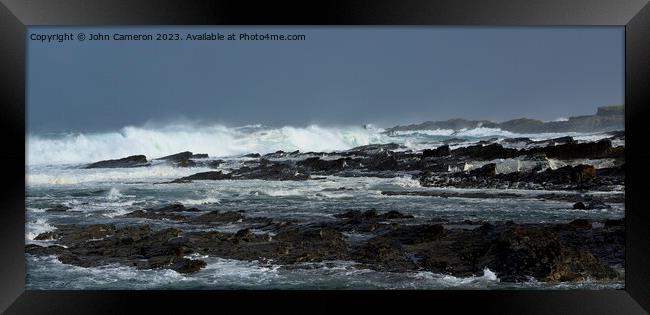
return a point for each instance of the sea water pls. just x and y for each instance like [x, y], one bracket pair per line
[54, 177]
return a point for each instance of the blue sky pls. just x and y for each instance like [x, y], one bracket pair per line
[337, 76]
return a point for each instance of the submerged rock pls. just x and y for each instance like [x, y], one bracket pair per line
[58, 208]
[212, 175]
[579, 205]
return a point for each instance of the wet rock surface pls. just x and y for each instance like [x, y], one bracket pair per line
[130, 161]
[484, 165]
[393, 242]
[560, 163]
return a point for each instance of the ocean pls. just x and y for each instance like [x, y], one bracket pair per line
[55, 176]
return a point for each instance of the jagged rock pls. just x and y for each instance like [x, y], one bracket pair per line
[45, 236]
[130, 161]
[169, 212]
[318, 164]
[515, 252]
[489, 169]
[437, 152]
[186, 265]
[176, 207]
[178, 157]
[487, 152]
[212, 175]
[216, 216]
[599, 149]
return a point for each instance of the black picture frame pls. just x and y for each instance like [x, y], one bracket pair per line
[15, 16]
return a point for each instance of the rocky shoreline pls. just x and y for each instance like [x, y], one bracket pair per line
[555, 164]
[383, 241]
[388, 241]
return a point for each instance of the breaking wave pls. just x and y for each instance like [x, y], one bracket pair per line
[217, 141]
[222, 141]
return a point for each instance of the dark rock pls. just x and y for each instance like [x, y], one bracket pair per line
[178, 157]
[186, 265]
[489, 169]
[384, 164]
[437, 152]
[546, 252]
[276, 155]
[557, 141]
[392, 214]
[579, 205]
[276, 171]
[216, 216]
[58, 208]
[599, 149]
[581, 223]
[245, 235]
[445, 194]
[169, 212]
[38, 250]
[45, 236]
[318, 164]
[582, 172]
[372, 214]
[212, 175]
[200, 156]
[214, 163]
[615, 223]
[539, 253]
[414, 234]
[488, 141]
[131, 161]
[176, 207]
[487, 152]
[252, 155]
[154, 215]
[372, 149]
[384, 254]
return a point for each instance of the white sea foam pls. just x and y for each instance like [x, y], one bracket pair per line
[218, 141]
[35, 227]
[277, 192]
[451, 281]
[432, 132]
[222, 141]
[61, 176]
[406, 182]
[202, 201]
[114, 194]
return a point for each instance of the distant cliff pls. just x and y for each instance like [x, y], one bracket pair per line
[607, 118]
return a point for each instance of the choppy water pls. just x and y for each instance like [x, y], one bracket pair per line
[100, 195]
